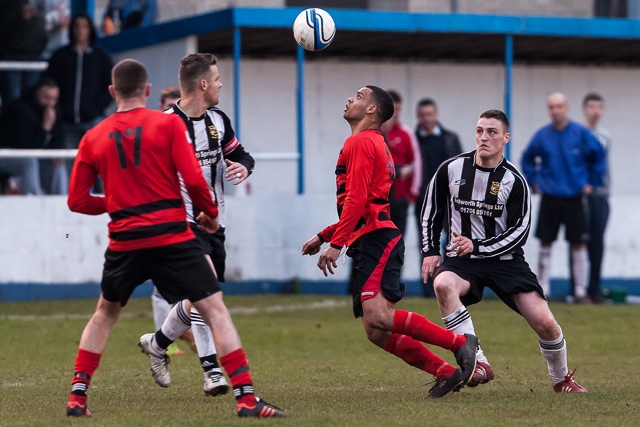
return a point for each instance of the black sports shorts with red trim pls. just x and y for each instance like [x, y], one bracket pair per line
[213, 244]
[178, 271]
[377, 260]
[570, 211]
[504, 277]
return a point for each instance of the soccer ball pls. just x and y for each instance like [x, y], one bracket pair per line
[314, 29]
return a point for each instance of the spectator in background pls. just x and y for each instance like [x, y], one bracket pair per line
[406, 157]
[82, 72]
[563, 162]
[122, 14]
[437, 144]
[31, 122]
[592, 108]
[56, 18]
[168, 97]
[22, 38]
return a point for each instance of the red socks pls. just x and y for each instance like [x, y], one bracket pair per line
[86, 364]
[416, 354]
[237, 367]
[422, 329]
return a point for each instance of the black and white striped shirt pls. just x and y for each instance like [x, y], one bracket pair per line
[492, 207]
[213, 141]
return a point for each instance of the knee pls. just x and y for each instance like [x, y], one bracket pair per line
[376, 336]
[376, 322]
[443, 286]
[548, 329]
[106, 317]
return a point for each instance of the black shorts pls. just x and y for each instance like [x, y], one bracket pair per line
[555, 211]
[213, 245]
[377, 260]
[504, 277]
[178, 271]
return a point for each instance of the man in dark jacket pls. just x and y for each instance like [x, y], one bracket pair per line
[31, 122]
[437, 144]
[82, 71]
[22, 38]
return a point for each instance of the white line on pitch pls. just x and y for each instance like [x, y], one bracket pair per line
[324, 304]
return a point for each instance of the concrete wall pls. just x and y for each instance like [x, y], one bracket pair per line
[43, 242]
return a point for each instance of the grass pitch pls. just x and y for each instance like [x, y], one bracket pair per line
[310, 357]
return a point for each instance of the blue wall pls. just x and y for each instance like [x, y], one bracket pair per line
[43, 292]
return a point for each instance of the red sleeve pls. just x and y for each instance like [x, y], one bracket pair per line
[83, 177]
[358, 158]
[186, 163]
[327, 234]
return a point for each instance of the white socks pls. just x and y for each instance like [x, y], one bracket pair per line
[202, 334]
[555, 353]
[580, 260]
[544, 269]
[460, 322]
[177, 322]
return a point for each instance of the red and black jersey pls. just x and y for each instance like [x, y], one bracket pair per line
[139, 154]
[364, 174]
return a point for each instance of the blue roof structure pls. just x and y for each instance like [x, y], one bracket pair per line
[267, 32]
[362, 34]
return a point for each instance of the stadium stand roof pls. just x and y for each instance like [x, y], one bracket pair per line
[362, 34]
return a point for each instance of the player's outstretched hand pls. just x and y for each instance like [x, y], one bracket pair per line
[328, 260]
[235, 171]
[208, 224]
[311, 246]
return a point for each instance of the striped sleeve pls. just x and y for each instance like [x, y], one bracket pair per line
[434, 210]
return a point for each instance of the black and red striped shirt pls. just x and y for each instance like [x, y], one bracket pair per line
[364, 174]
[139, 154]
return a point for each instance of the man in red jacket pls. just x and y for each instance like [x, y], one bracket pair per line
[139, 153]
[406, 155]
[364, 174]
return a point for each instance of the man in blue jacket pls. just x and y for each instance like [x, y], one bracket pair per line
[563, 163]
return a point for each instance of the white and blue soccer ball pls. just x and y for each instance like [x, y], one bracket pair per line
[314, 29]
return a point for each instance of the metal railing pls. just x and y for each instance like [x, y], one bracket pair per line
[23, 65]
[23, 153]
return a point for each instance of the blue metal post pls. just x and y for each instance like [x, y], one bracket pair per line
[300, 96]
[508, 69]
[237, 53]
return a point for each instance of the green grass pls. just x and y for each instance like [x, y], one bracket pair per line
[316, 363]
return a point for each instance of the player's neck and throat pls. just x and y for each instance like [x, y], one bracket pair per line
[193, 106]
[364, 124]
[489, 162]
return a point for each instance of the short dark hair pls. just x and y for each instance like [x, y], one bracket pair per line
[425, 102]
[169, 92]
[591, 96]
[383, 102]
[395, 96]
[193, 67]
[499, 115]
[129, 78]
[45, 81]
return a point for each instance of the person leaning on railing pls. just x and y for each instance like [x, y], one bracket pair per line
[31, 122]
